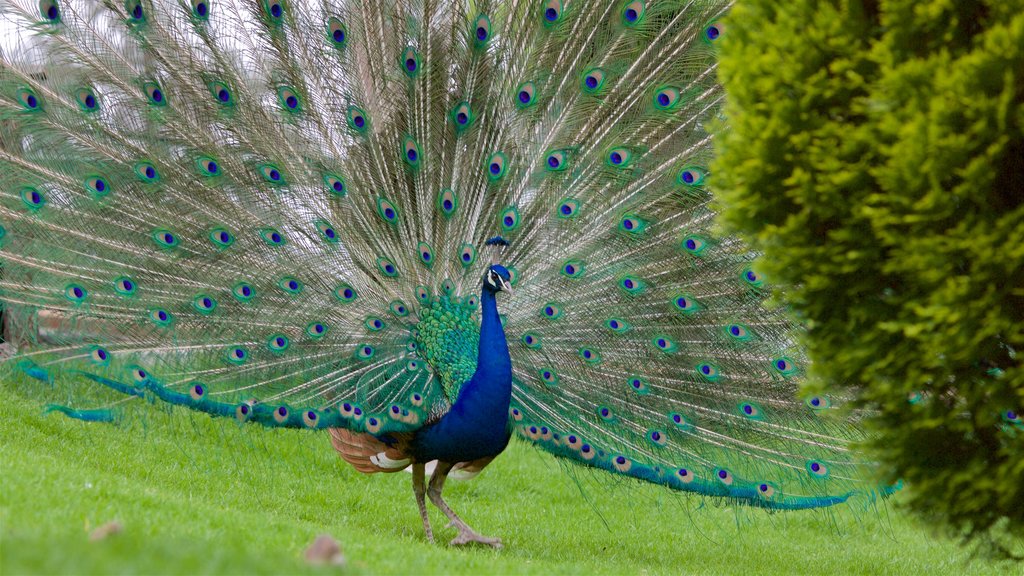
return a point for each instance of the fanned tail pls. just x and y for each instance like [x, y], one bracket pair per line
[275, 211]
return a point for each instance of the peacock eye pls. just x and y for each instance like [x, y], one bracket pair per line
[568, 208]
[289, 99]
[154, 93]
[526, 94]
[356, 119]
[619, 157]
[28, 99]
[462, 116]
[411, 152]
[556, 161]
[509, 218]
[387, 267]
[201, 9]
[32, 198]
[327, 231]
[87, 99]
[135, 10]
[482, 29]
[97, 186]
[593, 80]
[271, 173]
[275, 9]
[208, 166]
[335, 185]
[496, 166]
[125, 286]
[50, 10]
[713, 32]
[278, 343]
[447, 201]
[633, 13]
[666, 98]
[221, 238]
[336, 32]
[551, 12]
[146, 171]
[410, 62]
[387, 210]
[817, 469]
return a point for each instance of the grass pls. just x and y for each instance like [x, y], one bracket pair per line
[197, 496]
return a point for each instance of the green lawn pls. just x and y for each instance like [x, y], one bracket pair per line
[195, 495]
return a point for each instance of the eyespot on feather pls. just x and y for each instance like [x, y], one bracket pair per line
[496, 166]
[289, 99]
[243, 292]
[274, 10]
[481, 30]
[204, 304]
[316, 330]
[551, 13]
[221, 238]
[337, 34]
[50, 11]
[593, 80]
[567, 208]
[666, 98]
[410, 62]
[201, 9]
[327, 231]
[155, 94]
[221, 93]
[29, 100]
[633, 13]
[271, 174]
[447, 202]
[87, 100]
[526, 95]
[335, 185]
[147, 172]
[208, 166]
[290, 285]
[411, 152]
[357, 119]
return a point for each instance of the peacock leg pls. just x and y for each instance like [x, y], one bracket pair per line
[419, 487]
[466, 534]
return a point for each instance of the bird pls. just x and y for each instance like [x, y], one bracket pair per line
[426, 227]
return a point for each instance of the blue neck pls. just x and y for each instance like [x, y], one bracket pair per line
[493, 364]
[476, 426]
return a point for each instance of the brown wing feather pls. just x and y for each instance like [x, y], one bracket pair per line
[358, 449]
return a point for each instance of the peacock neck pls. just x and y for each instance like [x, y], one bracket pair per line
[494, 365]
[476, 426]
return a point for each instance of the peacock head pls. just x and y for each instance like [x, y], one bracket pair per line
[498, 279]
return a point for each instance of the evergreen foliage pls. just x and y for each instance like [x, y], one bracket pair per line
[875, 155]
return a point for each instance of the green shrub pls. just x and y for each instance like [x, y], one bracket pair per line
[875, 156]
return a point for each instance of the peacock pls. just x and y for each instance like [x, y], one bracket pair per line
[423, 226]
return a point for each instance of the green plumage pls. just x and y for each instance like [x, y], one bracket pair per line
[278, 212]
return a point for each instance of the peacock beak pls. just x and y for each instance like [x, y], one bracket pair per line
[505, 286]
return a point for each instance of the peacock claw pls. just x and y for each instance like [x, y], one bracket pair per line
[469, 537]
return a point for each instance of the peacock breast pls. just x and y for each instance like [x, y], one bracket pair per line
[447, 338]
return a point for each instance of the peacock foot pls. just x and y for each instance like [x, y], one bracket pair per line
[469, 537]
